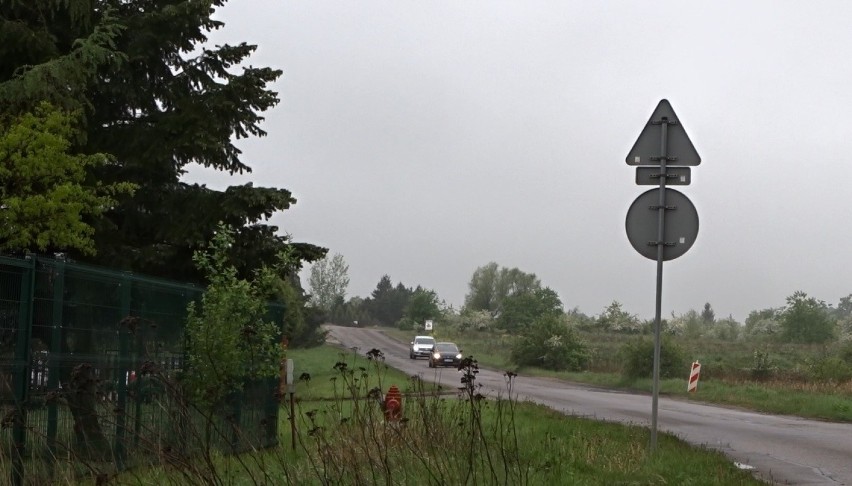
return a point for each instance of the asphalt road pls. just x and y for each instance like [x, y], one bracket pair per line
[781, 449]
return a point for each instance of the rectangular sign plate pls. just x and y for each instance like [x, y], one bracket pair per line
[675, 176]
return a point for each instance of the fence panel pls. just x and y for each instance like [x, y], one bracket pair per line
[79, 349]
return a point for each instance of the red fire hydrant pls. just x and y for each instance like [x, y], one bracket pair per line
[393, 404]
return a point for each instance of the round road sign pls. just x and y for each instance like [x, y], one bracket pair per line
[681, 224]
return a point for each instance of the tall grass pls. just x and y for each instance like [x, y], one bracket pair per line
[344, 437]
[463, 438]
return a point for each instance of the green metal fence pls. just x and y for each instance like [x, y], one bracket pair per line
[68, 329]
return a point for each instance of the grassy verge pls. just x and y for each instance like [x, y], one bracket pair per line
[826, 401]
[343, 437]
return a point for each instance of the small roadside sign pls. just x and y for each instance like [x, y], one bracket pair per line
[675, 176]
[291, 384]
[428, 325]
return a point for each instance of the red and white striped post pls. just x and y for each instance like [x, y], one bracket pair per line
[693, 377]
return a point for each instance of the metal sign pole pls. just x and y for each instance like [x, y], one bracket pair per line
[661, 244]
[675, 213]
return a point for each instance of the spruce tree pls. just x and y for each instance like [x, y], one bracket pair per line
[156, 98]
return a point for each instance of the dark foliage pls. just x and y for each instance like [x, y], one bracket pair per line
[638, 359]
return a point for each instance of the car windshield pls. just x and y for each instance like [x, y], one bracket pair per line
[424, 340]
[446, 348]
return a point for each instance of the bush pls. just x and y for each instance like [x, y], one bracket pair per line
[845, 352]
[761, 368]
[406, 324]
[829, 369]
[229, 339]
[476, 321]
[638, 359]
[549, 343]
[302, 325]
[806, 320]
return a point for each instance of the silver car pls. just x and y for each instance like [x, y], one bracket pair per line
[421, 347]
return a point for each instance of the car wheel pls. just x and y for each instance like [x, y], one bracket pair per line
[411, 355]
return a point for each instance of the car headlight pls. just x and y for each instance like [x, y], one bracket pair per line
[458, 356]
[437, 355]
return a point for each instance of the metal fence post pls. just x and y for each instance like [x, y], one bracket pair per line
[54, 358]
[139, 352]
[119, 446]
[21, 371]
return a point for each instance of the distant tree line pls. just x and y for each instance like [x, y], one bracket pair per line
[514, 303]
[388, 305]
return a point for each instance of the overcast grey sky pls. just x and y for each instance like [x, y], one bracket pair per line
[425, 139]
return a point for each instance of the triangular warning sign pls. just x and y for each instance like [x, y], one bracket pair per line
[647, 149]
